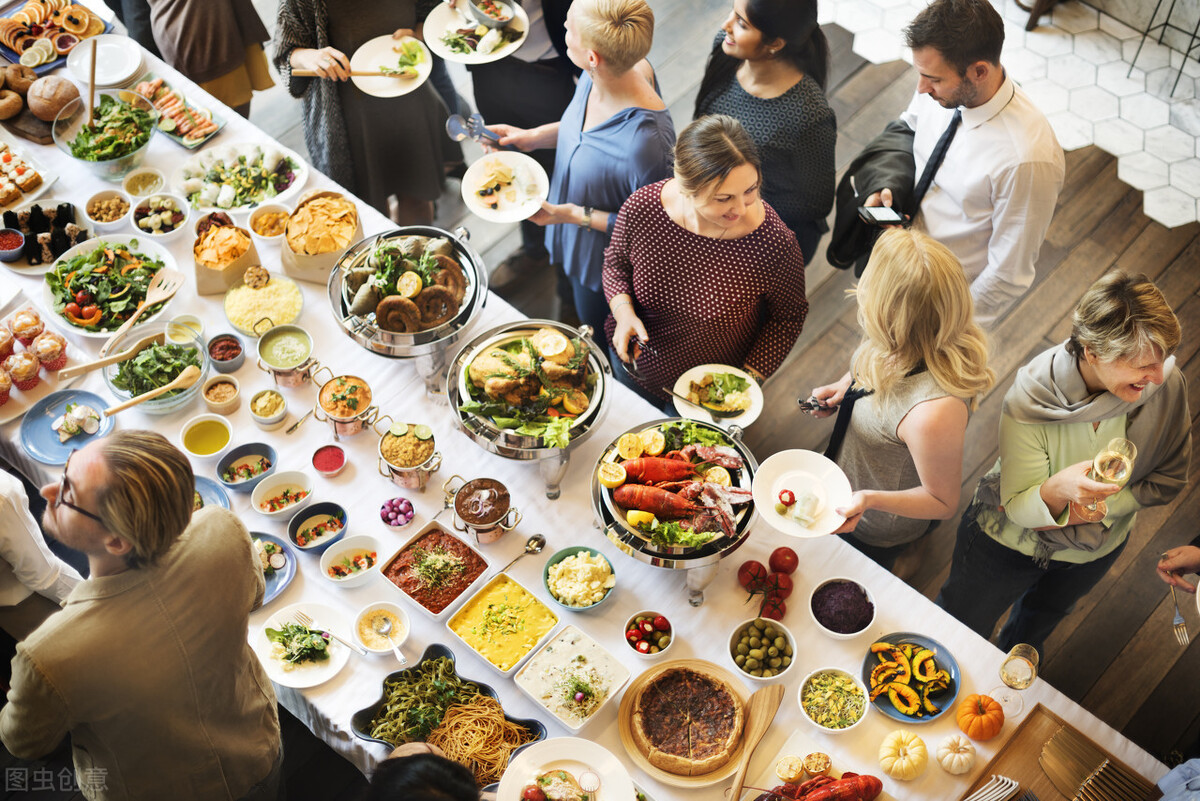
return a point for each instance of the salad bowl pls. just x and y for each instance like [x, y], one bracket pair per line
[122, 112]
[158, 364]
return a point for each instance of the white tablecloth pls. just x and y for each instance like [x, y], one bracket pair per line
[700, 632]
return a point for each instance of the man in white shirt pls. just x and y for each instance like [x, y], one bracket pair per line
[33, 581]
[991, 199]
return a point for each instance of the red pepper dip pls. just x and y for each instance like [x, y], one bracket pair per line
[435, 569]
[224, 349]
[11, 240]
[328, 460]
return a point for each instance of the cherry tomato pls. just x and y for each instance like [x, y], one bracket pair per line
[647, 626]
[784, 560]
[643, 646]
[533, 793]
[88, 311]
[751, 575]
[773, 607]
[82, 297]
[787, 497]
[779, 585]
[634, 634]
[661, 624]
[71, 309]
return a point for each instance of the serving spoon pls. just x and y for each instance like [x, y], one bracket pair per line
[534, 544]
[189, 376]
[162, 287]
[128, 353]
[759, 714]
[383, 626]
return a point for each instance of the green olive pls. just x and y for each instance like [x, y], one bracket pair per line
[772, 651]
[743, 648]
[756, 673]
[756, 653]
[767, 673]
[775, 663]
[654, 649]
[788, 651]
[752, 664]
[755, 642]
[739, 660]
[664, 641]
[781, 643]
[787, 660]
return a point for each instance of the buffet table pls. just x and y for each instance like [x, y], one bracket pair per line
[699, 632]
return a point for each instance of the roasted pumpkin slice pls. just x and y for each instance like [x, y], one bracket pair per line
[883, 673]
[944, 675]
[937, 686]
[926, 705]
[880, 690]
[904, 698]
[904, 672]
[882, 650]
[924, 668]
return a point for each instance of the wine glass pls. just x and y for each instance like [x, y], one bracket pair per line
[1112, 465]
[1018, 671]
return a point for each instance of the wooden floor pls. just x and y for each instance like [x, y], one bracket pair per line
[1116, 654]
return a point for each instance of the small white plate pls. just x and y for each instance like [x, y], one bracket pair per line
[695, 412]
[116, 62]
[325, 618]
[508, 211]
[452, 16]
[574, 755]
[378, 52]
[798, 470]
[22, 265]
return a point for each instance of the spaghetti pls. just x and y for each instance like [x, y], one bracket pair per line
[475, 733]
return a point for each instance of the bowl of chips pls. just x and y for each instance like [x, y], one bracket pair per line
[222, 253]
[317, 233]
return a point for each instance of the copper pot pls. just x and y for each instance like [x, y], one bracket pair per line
[344, 425]
[414, 478]
[287, 376]
[482, 507]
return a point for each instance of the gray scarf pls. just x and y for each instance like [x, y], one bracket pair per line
[1050, 390]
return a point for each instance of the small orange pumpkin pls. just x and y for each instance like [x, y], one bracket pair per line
[980, 717]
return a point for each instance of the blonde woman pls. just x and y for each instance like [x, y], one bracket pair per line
[923, 360]
[615, 136]
[1023, 541]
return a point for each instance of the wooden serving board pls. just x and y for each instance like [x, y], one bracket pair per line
[30, 127]
[1018, 758]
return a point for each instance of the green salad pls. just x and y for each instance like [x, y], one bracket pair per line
[409, 54]
[155, 366]
[118, 129]
[100, 289]
[294, 644]
[672, 532]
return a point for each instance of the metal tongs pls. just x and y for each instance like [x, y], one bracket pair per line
[459, 128]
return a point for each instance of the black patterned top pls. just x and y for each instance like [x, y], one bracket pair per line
[795, 134]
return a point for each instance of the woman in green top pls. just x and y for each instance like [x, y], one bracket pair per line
[1024, 541]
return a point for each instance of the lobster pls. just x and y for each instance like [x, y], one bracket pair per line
[663, 504]
[658, 470]
[851, 787]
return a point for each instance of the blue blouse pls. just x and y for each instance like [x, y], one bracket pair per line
[601, 168]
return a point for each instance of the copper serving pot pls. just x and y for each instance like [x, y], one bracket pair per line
[415, 477]
[482, 507]
[295, 375]
[343, 425]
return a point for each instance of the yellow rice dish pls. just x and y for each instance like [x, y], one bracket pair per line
[503, 622]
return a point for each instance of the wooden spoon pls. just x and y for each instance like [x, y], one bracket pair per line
[92, 88]
[759, 714]
[189, 376]
[128, 353]
[163, 286]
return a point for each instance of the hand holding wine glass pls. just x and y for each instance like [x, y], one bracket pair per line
[1018, 671]
[1112, 465]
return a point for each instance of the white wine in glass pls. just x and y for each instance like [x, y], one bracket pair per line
[1112, 465]
[1018, 671]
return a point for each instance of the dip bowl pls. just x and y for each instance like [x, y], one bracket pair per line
[244, 453]
[821, 624]
[345, 403]
[306, 518]
[413, 477]
[272, 420]
[434, 597]
[224, 344]
[744, 655]
[205, 436]
[273, 487]
[228, 405]
[340, 556]
[652, 637]
[842, 675]
[557, 559]
[373, 641]
[481, 508]
[285, 351]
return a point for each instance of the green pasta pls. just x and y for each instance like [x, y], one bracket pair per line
[415, 703]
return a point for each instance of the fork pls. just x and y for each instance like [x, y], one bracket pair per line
[1028, 795]
[305, 620]
[998, 789]
[1181, 632]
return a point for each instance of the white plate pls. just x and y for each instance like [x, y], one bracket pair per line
[116, 62]
[574, 755]
[326, 618]
[451, 17]
[48, 179]
[508, 212]
[145, 245]
[376, 53]
[300, 171]
[694, 412]
[21, 265]
[797, 470]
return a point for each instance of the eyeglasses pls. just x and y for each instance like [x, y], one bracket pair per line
[63, 486]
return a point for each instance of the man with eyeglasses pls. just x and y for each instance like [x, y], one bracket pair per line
[148, 667]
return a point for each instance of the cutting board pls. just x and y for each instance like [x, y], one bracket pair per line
[799, 743]
[1018, 758]
[30, 127]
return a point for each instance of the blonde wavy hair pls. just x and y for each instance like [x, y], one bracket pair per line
[915, 309]
[621, 31]
[147, 498]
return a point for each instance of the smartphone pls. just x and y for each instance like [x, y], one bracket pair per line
[879, 215]
[810, 405]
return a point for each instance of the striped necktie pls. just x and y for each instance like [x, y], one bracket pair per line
[935, 159]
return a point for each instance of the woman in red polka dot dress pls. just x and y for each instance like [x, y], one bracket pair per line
[701, 269]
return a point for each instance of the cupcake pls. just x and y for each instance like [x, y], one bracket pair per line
[5, 386]
[6, 343]
[25, 325]
[50, 349]
[23, 367]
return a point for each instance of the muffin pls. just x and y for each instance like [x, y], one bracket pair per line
[5, 386]
[25, 325]
[6, 343]
[23, 367]
[50, 349]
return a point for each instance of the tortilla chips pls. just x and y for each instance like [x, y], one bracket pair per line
[322, 225]
[221, 246]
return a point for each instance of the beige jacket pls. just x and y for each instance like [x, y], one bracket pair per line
[151, 674]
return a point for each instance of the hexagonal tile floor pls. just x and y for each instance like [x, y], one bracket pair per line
[1077, 67]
